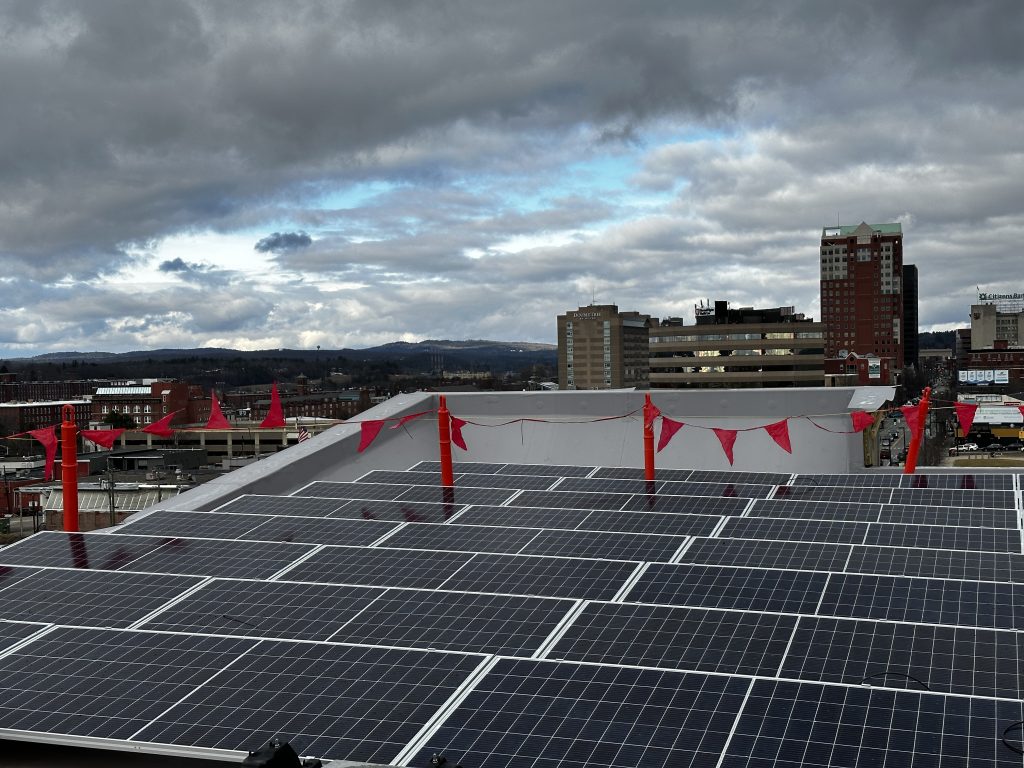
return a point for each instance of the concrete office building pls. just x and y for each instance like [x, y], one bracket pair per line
[862, 300]
[600, 347]
[996, 323]
[738, 348]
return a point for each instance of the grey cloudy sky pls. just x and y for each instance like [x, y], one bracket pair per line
[345, 173]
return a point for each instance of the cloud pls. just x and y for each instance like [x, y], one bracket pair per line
[177, 265]
[280, 242]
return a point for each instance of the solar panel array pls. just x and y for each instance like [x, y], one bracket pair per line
[539, 615]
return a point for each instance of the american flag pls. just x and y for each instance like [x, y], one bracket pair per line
[304, 434]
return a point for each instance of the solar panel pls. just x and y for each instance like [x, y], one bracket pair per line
[216, 557]
[563, 714]
[78, 550]
[759, 553]
[510, 625]
[681, 524]
[90, 598]
[954, 498]
[14, 632]
[945, 537]
[462, 479]
[482, 467]
[693, 639]
[613, 546]
[277, 609]
[105, 683]
[803, 724]
[210, 525]
[317, 530]
[815, 510]
[746, 589]
[932, 601]
[924, 515]
[834, 531]
[703, 505]
[550, 470]
[1001, 482]
[973, 662]
[727, 490]
[638, 473]
[383, 491]
[569, 500]
[524, 517]
[398, 511]
[543, 576]
[864, 480]
[378, 567]
[730, 476]
[343, 702]
[456, 495]
[606, 485]
[464, 538]
[940, 564]
[833, 493]
[306, 506]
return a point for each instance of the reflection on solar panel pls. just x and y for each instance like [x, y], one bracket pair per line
[503, 624]
[588, 715]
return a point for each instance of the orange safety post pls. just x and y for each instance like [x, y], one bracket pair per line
[649, 415]
[69, 467]
[915, 443]
[444, 433]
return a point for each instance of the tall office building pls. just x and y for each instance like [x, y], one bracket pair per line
[862, 291]
[602, 348]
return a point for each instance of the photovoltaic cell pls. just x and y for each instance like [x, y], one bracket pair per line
[550, 470]
[726, 490]
[461, 538]
[407, 477]
[91, 598]
[702, 505]
[815, 510]
[510, 625]
[339, 702]
[973, 662]
[933, 515]
[759, 553]
[944, 537]
[691, 639]
[728, 476]
[265, 609]
[79, 550]
[480, 467]
[516, 482]
[318, 530]
[747, 589]
[833, 531]
[230, 559]
[613, 546]
[969, 482]
[105, 683]
[12, 632]
[308, 506]
[542, 576]
[808, 724]
[378, 567]
[211, 525]
[398, 511]
[939, 564]
[548, 714]
[863, 480]
[931, 601]
[606, 485]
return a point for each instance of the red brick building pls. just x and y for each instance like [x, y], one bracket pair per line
[146, 403]
[862, 292]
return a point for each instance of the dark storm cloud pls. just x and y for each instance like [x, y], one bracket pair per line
[176, 265]
[280, 242]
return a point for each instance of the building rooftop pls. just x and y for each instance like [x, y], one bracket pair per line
[551, 609]
[846, 230]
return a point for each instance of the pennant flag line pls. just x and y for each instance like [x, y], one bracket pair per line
[727, 437]
[368, 431]
[217, 419]
[457, 438]
[48, 437]
[162, 428]
[275, 416]
[965, 413]
[913, 416]
[103, 437]
[668, 428]
[862, 420]
[779, 432]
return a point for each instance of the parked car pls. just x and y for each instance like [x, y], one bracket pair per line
[965, 447]
[993, 447]
[1014, 446]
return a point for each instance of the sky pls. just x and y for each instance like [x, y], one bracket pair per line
[256, 175]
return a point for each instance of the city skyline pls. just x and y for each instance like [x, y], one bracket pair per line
[252, 176]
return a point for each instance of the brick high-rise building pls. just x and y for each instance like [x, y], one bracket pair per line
[602, 348]
[862, 292]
